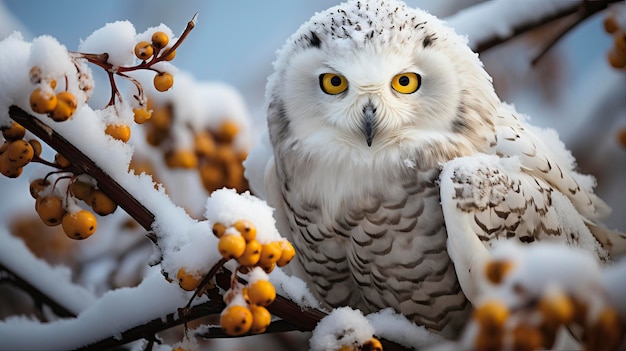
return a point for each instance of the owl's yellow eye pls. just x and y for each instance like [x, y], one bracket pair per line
[333, 84]
[406, 83]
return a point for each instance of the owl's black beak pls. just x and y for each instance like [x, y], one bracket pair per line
[369, 127]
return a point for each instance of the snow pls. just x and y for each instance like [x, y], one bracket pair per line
[504, 16]
[116, 39]
[343, 326]
[188, 242]
[111, 314]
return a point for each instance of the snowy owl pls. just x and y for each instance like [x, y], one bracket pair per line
[394, 164]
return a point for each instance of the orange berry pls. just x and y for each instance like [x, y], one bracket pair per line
[65, 108]
[79, 225]
[621, 137]
[212, 176]
[13, 132]
[61, 161]
[19, 153]
[7, 169]
[261, 319]
[80, 189]
[610, 24]
[4, 146]
[155, 136]
[231, 246]
[261, 293]
[496, 270]
[606, 332]
[491, 315]
[50, 209]
[188, 280]
[219, 229]
[181, 159]
[227, 132]
[372, 344]
[246, 228]
[101, 203]
[141, 115]
[118, 131]
[288, 253]
[203, 144]
[270, 253]
[161, 117]
[43, 101]
[143, 50]
[38, 185]
[160, 39]
[251, 254]
[236, 320]
[616, 58]
[163, 81]
[268, 268]
[37, 148]
[169, 56]
[556, 309]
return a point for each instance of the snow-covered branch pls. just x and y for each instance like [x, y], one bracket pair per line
[509, 19]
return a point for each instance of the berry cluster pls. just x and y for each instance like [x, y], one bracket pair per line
[58, 106]
[245, 310]
[145, 50]
[372, 344]
[213, 154]
[15, 152]
[617, 54]
[54, 207]
[239, 242]
[535, 326]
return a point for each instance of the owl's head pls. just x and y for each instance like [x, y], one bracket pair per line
[374, 76]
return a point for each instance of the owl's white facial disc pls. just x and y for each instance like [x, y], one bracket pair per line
[374, 52]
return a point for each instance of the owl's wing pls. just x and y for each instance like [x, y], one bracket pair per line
[526, 191]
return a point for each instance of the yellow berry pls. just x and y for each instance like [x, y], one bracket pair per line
[270, 253]
[204, 144]
[616, 58]
[251, 254]
[606, 333]
[231, 246]
[79, 225]
[163, 81]
[268, 268]
[181, 159]
[101, 203]
[118, 131]
[188, 280]
[7, 169]
[219, 229]
[61, 161]
[496, 270]
[160, 39]
[65, 108]
[372, 344]
[261, 293]
[80, 189]
[161, 117]
[236, 320]
[43, 101]
[526, 338]
[556, 309]
[37, 148]
[50, 209]
[610, 24]
[491, 315]
[170, 56]
[143, 50]
[141, 115]
[212, 176]
[261, 319]
[227, 132]
[38, 185]
[19, 153]
[246, 228]
[288, 253]
[13, 132]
